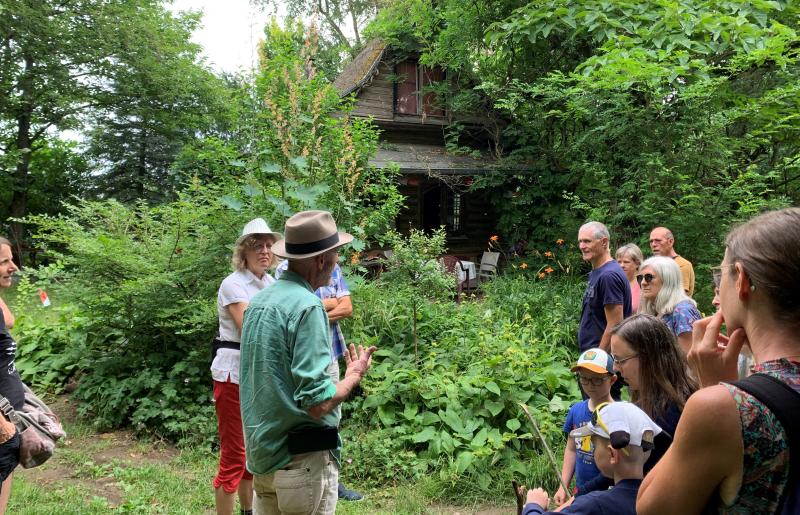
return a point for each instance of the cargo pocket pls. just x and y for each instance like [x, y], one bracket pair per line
[294, 490]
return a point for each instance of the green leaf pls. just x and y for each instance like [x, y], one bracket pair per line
[492, 387]
[299, 162]
[513, 424]
[231, 202]
[270, 168]
[425, 435]
[386, 414]
[451, 419]
[463, 461]
[494, 407]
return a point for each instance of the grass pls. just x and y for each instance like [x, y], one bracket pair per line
[114, 473]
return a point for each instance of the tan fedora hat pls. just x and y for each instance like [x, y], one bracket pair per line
[308, 234]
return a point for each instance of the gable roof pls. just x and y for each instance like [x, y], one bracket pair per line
[360, 71]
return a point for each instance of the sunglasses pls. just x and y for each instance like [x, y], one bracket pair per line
[595, 381]
[645, 278]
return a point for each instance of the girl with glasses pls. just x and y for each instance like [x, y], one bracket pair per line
[645, 352]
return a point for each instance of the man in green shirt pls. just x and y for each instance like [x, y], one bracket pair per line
[287, 397]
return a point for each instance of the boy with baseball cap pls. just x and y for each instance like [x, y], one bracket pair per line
[622, 436]
[595, 372]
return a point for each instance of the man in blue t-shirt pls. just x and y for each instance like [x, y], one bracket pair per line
[607, 299]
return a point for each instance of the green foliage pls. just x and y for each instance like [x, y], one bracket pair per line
[635, 113]
[454, 413]
[144, 280]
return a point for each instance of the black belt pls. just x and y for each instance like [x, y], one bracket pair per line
[312, 439]
[217, 344]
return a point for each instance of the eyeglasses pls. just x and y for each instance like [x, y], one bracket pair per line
[261, 245]
[594, 381]
[645, 278]
[618, 361]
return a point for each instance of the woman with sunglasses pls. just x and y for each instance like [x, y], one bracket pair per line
[252, 257]
[730, 453]
[646, 354]
[663, 296]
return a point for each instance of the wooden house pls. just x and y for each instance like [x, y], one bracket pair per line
[394, 92]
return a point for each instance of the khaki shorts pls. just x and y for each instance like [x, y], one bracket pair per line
[307, 485]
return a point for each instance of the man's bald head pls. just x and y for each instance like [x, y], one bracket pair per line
[662, 242]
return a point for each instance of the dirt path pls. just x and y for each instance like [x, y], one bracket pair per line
[83, 457]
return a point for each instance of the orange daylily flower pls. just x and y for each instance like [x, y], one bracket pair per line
[549, 270]
[523, 266]
[355, 258]
[548, 254]
[494, 237]
[559, 241]
[542, 275]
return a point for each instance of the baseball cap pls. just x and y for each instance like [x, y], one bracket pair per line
[621, 422]
[596, 360]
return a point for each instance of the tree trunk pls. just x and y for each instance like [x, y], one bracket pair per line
[19, 197]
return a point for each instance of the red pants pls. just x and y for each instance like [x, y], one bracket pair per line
[231, 438]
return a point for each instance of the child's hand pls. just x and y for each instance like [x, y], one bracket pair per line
[538, 496]
[561, 496]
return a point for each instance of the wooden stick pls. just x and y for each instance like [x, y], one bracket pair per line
[549, 453]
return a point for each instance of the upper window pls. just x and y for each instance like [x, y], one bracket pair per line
[412, 95]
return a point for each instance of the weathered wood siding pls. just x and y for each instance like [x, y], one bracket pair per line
[377, 98]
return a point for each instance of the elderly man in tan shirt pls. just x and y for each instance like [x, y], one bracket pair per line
[662, 243]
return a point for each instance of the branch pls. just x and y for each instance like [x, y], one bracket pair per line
[335, 27]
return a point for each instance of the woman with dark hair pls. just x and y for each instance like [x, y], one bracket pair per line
[647, 355]
[251, 259]
[730, 453]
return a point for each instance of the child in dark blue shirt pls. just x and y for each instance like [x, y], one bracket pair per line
[622, 436]
[595, 371]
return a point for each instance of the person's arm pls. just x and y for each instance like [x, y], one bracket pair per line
[614, 316]
[358, 362]
[236, 311]
[707, 453]
[8, 316]
[343, 309]
[567, 470]
[685, 342]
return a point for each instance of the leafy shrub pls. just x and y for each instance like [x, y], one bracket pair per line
[457, 410]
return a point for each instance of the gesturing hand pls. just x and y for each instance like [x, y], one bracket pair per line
[358, 362]
[713, 359]
[538, 496]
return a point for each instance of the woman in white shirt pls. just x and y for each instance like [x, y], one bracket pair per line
[251, 260]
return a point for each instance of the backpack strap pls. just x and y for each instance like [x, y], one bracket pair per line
[784, 402]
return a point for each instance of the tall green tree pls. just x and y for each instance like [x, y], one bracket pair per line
[61, 61]
[161, 99]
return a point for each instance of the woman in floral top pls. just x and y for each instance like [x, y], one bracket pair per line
[663, 296]
[730, 453]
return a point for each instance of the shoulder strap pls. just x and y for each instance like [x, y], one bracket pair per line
[784, 402]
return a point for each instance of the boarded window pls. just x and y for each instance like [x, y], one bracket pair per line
[412, 81]
[407, 89]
